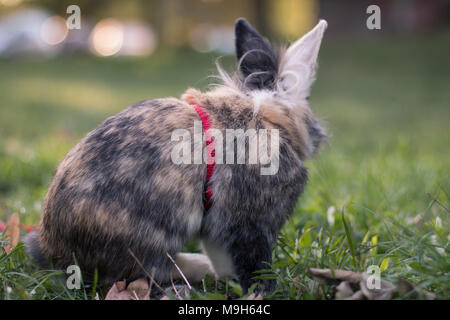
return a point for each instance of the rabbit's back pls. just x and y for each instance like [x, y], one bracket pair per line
[118, 190]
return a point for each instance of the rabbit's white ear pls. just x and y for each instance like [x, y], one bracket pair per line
[297, 66]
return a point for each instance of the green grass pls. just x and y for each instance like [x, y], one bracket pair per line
[386, 106]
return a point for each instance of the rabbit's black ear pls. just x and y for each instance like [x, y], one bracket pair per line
[256, 59]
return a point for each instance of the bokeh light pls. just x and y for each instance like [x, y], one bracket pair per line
[10, 3]
[54, 30]
[107, 37]
[139, 39]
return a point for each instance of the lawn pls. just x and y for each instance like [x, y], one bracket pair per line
[385, 171]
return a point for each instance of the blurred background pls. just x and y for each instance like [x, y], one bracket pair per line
[137, 27]
[383, 94]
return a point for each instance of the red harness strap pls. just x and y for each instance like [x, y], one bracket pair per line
[211, 162]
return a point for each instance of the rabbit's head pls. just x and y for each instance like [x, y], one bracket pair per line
[280, 78]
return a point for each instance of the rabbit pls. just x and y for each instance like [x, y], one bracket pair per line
[118, 191]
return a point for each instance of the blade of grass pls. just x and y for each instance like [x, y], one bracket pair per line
[349, 239]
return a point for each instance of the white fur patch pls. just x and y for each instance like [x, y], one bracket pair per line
[260, 97]
[195, 266]
[220, 259]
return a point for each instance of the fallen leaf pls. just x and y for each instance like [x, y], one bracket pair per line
[385, 292]
[355, 286]
[12, 232]
[140, 289]
[344, 291]
[357, 296]
[252, 296]
[136, 290]
[115, 294]
[335, 275]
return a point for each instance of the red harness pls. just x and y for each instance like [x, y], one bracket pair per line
[211, 162]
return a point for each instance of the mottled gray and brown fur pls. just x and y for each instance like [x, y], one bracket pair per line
[118, 189]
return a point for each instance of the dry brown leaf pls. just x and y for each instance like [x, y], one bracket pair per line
[333, 275]
[139, 288]
[12, 232]
[344, 291]
[115, 294]
[385, 292]
[255, 297]
[136, 290]
[357, 296]
[354, 286]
